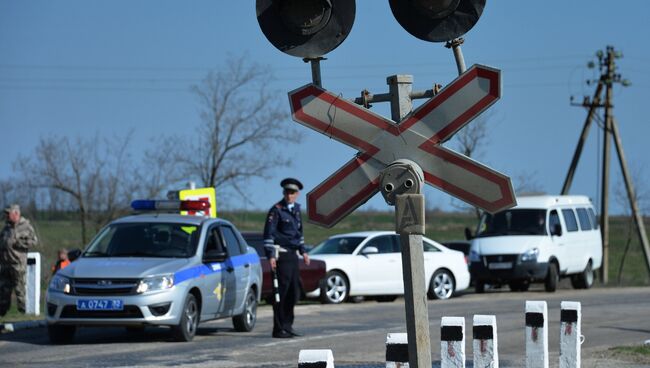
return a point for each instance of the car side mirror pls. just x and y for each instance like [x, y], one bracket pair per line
[468, 234]
[215, 255]
[557, 230]
[369, 250]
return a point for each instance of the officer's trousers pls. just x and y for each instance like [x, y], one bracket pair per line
[289, 289]
[12, 277]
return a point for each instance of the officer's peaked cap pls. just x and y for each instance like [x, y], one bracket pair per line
[291, 184]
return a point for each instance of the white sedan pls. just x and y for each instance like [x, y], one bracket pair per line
[370, 264]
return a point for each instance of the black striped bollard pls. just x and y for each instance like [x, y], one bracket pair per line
[570, 334]
[397, 350]
[536, 334]
[486, 351]
[316, 359]
[452, 342]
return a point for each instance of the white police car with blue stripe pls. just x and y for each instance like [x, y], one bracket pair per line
[158, 269]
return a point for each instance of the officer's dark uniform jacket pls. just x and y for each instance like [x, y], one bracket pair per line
[284, 228]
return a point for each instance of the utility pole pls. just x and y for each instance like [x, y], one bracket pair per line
[607, 66]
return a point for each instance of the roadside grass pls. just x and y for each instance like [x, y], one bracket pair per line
[441, 226]
[14, 316]
[639, 354]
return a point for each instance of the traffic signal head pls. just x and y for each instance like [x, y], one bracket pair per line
[437, 20]
[306, 28]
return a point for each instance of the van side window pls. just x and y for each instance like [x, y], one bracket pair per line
[570, 220]
[553, 219]
[594, 220]
[585, 224]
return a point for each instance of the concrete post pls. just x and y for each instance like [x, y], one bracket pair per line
[397, 350]
[33, 284]
[536, 334]
[486, 352]
[316, 359]
[452, 342]
[570, 334]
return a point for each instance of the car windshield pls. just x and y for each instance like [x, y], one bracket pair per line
[143, 239]
[339, 245]
[513, 222]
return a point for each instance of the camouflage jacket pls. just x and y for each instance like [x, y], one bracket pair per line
[15, 241]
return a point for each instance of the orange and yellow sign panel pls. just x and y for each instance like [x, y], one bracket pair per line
[200, 194]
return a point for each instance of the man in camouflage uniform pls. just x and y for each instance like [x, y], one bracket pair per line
[16, 238]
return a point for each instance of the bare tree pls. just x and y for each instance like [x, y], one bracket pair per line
[160, 168]
[90, 171]
[245, 127]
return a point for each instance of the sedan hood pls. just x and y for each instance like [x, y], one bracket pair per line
[505, 244]
[122, 267]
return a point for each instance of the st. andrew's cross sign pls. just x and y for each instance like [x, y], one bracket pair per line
[417, 137]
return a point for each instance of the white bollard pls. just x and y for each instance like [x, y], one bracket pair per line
[316, 359]
[570, 331]
[397, 350]
[452, 342]
[486, 352]
[33, 284]
[536, 334]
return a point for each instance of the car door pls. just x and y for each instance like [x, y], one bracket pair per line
[380, 273]
[214, 284]
[573, 242]
[237, 267]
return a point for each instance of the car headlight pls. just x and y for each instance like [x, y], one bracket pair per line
[155, 283]
[530, 255]
[474, 256]
[60, 284]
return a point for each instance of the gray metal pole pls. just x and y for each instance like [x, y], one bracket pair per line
[583, 137]
[417, 314]
[604, 204]
[458, 53]
[638, 218]
[315, 70]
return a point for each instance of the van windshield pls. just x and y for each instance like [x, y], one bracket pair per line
[145, 240]
[513, 222]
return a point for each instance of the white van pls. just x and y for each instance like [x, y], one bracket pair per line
[542, 239]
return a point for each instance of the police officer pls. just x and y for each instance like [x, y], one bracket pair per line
[283, 229]
[16, 238]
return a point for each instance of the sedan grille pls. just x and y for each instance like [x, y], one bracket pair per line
[100, 287]
[129, 311]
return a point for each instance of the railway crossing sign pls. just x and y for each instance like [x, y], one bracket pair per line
[381, 141]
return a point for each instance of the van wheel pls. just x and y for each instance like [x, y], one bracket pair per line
[552, 278]
[479, 286]
[61, 334]
[186, 328]
[585, 279]
[519, 285]
[246, 321]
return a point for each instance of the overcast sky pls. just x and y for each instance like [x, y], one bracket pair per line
[85, 67]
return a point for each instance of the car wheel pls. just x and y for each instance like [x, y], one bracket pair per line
[246, 321]
[585, 279]
[61, 334]
[519, 285]
[552, 278]
[334, 288]
[442, 285]
[386, 298]
[186, 328]
[479, 286]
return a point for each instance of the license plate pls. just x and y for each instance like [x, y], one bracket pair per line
[100, 304]
[500, 265]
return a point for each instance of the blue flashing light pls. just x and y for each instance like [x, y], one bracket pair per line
[143, 205]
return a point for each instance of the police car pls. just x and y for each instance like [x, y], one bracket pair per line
[158, 269]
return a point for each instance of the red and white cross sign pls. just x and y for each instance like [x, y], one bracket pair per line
[417, 137]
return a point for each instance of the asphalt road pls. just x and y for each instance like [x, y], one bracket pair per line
[355, 332]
